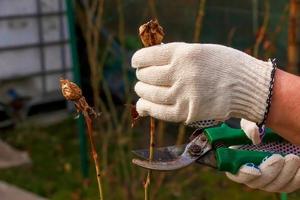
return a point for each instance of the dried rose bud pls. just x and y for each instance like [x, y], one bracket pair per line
[134, 114]
[70, 90]
[151, 33]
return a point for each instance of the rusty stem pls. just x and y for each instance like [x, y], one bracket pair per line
[89, 124]
[73, 93]
[89, 115]
[151, 152]
[151, 33]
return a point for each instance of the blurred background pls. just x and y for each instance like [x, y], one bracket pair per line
[43, 149]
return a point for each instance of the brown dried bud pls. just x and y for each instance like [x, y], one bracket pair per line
[70, 90]
[134, 115]
[151, 33]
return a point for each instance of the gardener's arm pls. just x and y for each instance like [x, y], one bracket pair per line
[208, 83]
[284, 116]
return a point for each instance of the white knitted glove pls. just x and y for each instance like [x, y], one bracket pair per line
[251, 130]
[188, 83]
[274, 174]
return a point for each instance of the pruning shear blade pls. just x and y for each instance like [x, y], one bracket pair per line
[162, 153]
[192, 152]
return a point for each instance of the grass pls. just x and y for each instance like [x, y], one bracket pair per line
[55, 172]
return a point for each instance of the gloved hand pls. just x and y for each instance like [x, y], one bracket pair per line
[251, 130]
[274, 174]
[182, 82]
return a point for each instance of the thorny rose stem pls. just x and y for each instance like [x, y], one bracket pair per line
[73, 93]
[151, 33]
[151, 151]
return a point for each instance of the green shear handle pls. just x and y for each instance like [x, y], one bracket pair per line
[230, 159]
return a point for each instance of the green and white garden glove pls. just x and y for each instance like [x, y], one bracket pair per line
[274, 174]
[200, 84]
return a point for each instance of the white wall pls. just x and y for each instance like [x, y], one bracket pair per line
[24, 31]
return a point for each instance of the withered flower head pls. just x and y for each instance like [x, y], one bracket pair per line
[70, 90]
[151, 33]
[134, 115]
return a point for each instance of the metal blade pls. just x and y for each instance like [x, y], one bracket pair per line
[172, 152]
[209, 159]
[193, 151]
[162, 153]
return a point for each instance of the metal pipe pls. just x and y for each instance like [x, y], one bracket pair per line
[76, 73]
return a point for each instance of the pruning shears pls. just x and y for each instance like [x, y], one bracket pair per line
[223, 148]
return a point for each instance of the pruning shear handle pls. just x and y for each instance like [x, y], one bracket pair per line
[211, 147]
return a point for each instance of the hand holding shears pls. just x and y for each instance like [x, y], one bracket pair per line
[230, 150]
